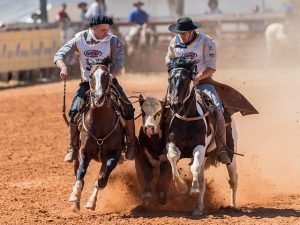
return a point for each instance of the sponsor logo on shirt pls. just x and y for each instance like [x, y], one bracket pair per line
[92, 53]
[189, 55]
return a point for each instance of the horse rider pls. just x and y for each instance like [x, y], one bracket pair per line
[92, 46]
[138, 16]
[201, 49]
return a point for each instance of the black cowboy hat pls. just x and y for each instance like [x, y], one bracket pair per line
[81, 4]
[184, 24]
[137, 3]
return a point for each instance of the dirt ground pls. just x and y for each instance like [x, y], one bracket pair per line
[35, 183]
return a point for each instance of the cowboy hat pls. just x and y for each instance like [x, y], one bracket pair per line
[138, 3]
[81, 4]
[184, 24]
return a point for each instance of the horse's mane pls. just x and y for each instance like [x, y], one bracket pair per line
[180, 62]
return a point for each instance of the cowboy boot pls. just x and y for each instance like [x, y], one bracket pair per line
[131, 138]
[73, 146]
[222, 154]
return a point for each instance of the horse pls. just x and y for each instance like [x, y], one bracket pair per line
[191, 134]
[101, 135]
[151, 154]
[282, 41]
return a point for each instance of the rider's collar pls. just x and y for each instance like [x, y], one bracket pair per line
[106, 38]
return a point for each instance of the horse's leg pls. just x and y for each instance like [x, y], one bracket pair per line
[202, 186]
[106, 168]
[84, 161]
[173, 155]
[109, 165]
[232, 169]
[76, 205]
[198, 154]
[91, 204]
[163, 182]
[233, 178]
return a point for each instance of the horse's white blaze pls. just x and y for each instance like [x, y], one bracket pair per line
[198, 154]
[76, 193]
[98, 86]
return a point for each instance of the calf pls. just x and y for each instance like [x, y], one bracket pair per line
[152, 153]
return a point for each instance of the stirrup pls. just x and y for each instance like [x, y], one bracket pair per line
[223, 157]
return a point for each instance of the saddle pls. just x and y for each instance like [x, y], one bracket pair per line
[207, 105]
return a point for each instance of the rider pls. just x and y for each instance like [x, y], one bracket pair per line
[138, 16]
[200, 48]
[94, 45]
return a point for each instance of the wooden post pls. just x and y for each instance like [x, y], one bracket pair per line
[43, 8]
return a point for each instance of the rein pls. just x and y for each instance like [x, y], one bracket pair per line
[99, 141]
[64, 105]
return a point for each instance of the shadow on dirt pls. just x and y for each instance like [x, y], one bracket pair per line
[257, 213]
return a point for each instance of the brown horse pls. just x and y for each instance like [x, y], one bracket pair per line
[101, 136]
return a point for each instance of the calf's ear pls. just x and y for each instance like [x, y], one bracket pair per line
[141, 100]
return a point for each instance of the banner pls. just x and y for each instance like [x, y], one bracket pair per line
[27, 50]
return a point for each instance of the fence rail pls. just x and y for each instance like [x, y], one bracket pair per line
[32, 46]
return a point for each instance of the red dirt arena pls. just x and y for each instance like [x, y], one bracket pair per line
[36, 183]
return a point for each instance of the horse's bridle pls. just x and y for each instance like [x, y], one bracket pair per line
[187, 91]
[106, 92]
[188, 95]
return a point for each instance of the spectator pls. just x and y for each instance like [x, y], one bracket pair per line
[288, 8]
[35, 18]
[62, 15]
[83, 9]
[96, 8]
[2, 25]
[213, 7]
[256, 27]
[255, 9]
[138, 15]
[176, 7]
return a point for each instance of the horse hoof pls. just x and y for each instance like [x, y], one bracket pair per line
[101, 183]
[73, 198]
[147, 196]
[90, 205]
[194, 191]
[197, 213]
[180, 185]
[181, 188]
[162, 198]
[76, 206]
